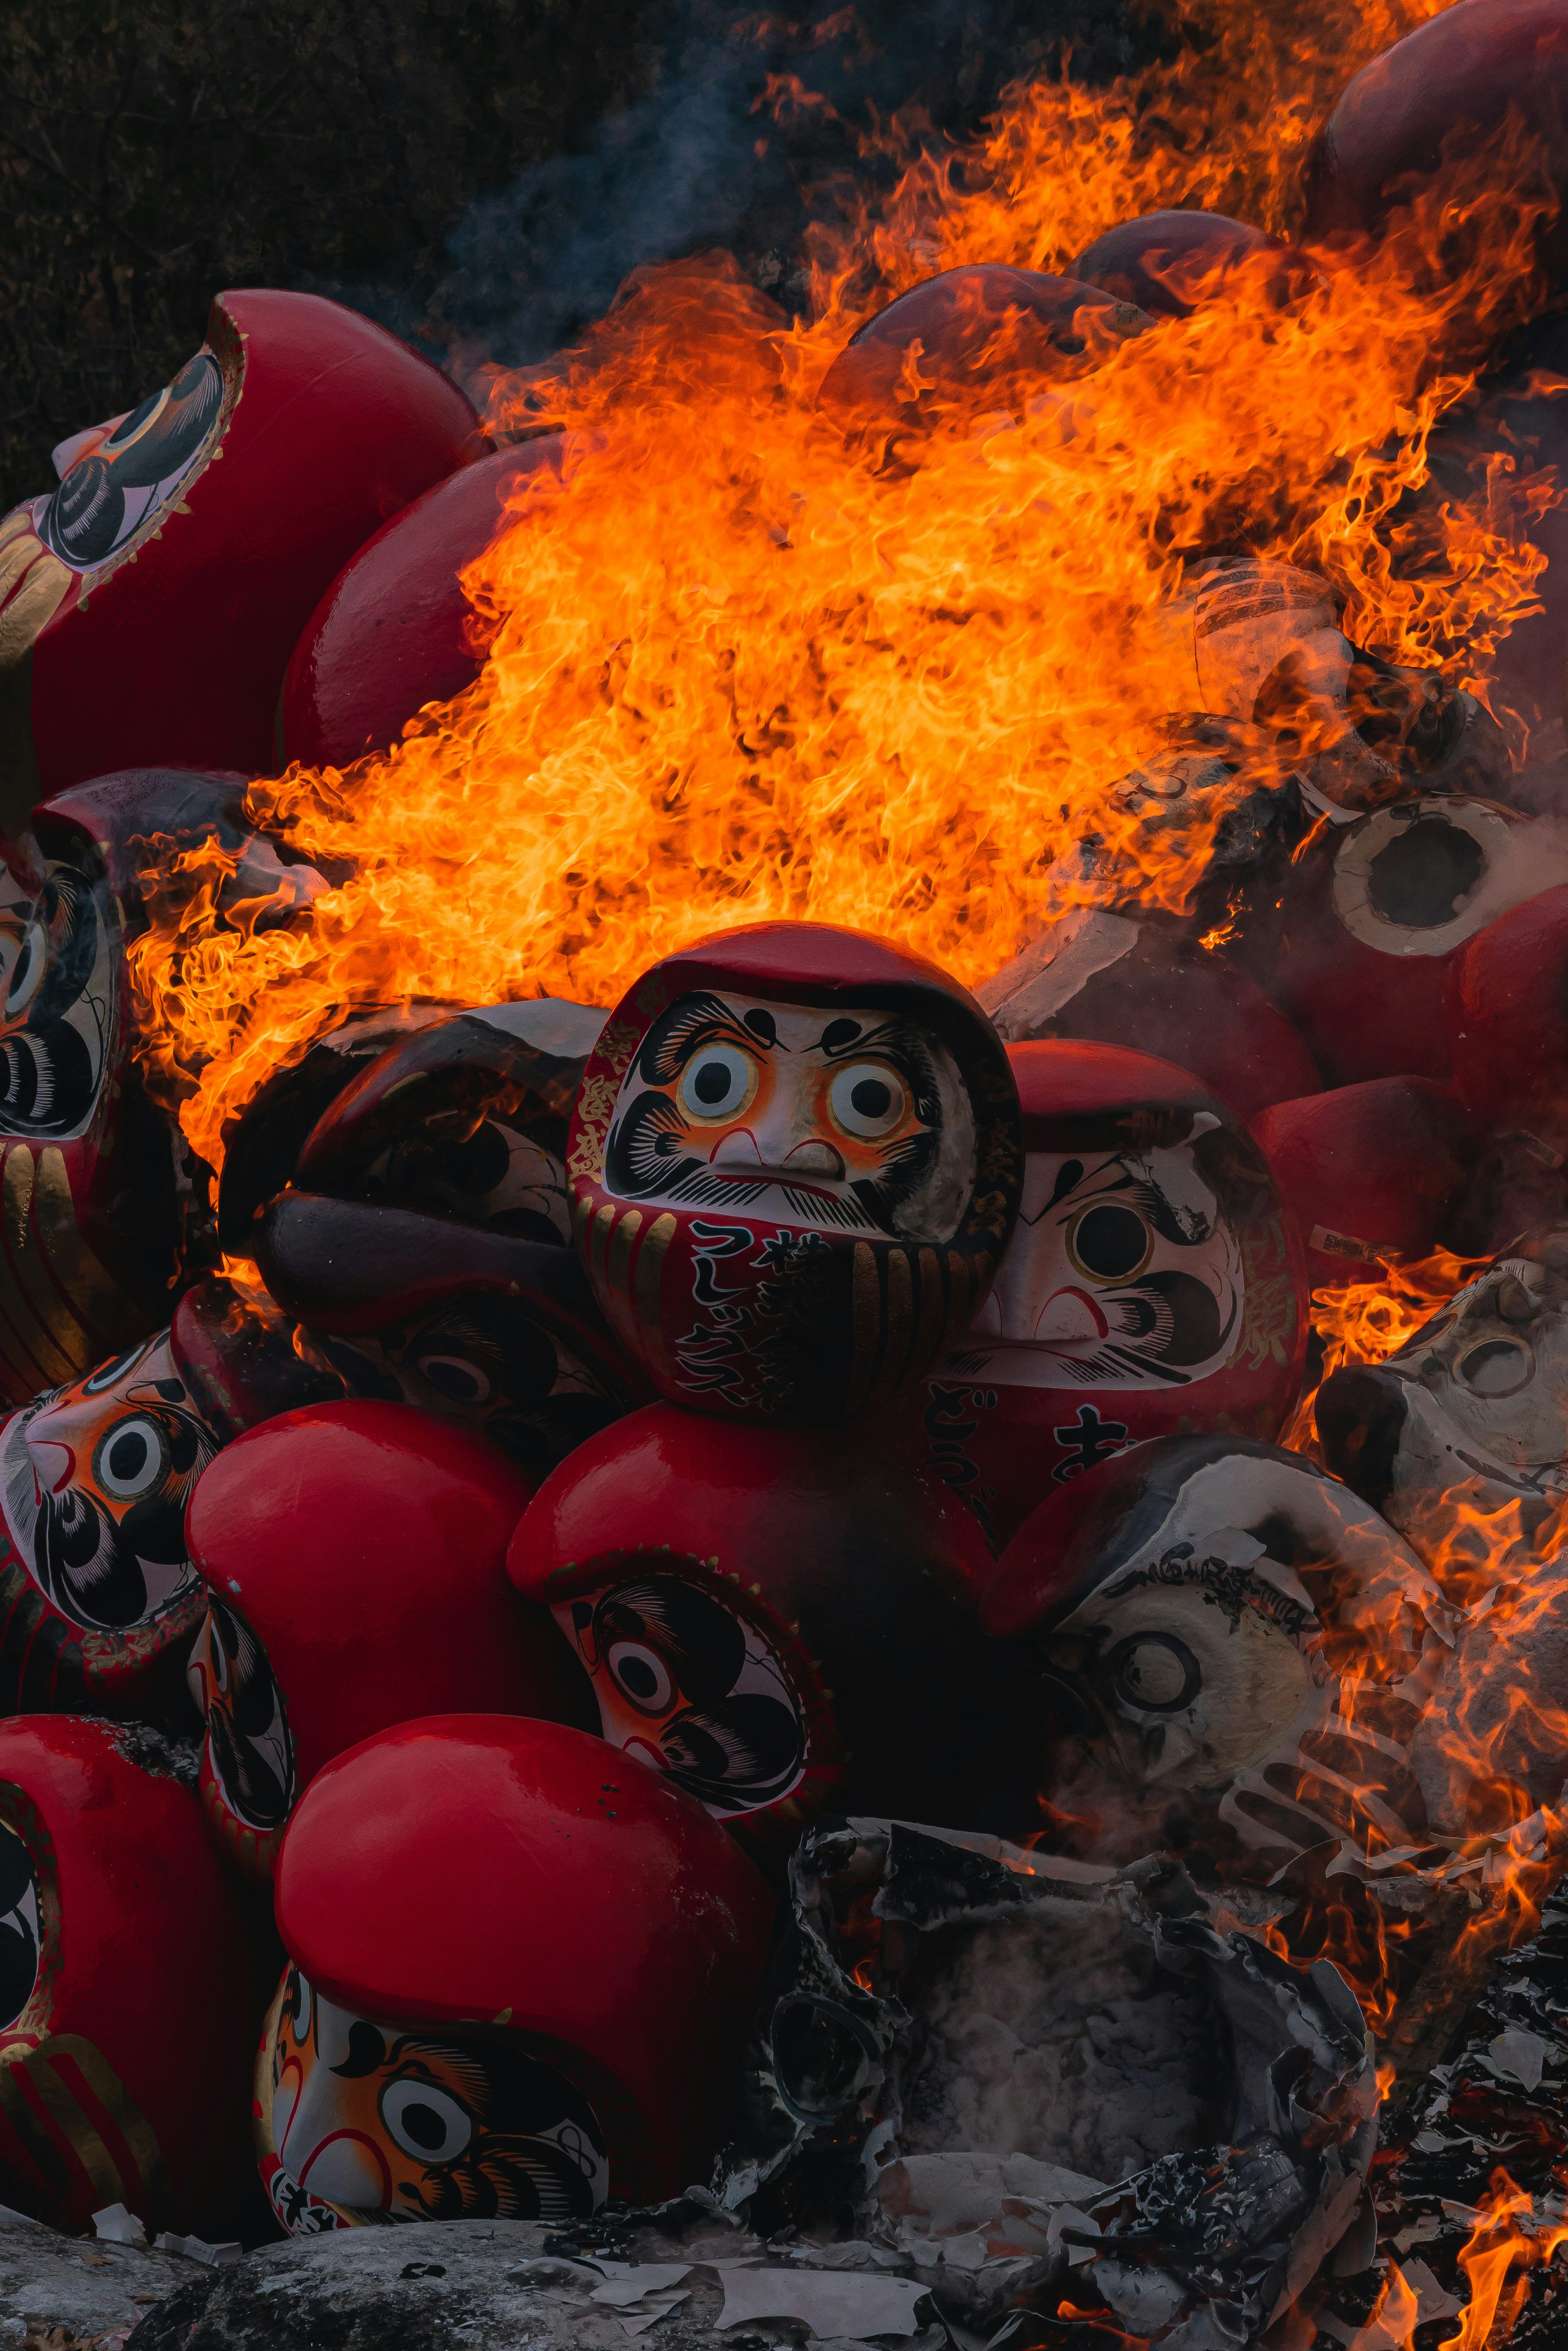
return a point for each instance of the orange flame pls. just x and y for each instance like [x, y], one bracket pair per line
[736, 671]
[1500, 2245]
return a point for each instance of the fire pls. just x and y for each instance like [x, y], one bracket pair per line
[736, 670]
[1505, 2245]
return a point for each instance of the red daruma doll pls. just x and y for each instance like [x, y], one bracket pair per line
[794, 1164]
[521, 1974]
[353, 1556]
[1153, 1287]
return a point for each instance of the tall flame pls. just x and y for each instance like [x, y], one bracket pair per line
[737, 671]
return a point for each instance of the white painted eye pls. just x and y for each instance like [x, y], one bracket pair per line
[29, 970]
[866, 1099]
[129, 1458]
[425, 2122]
[1498, 1367]
[717, 1082]
[301, 2002]
[454, 1377]
[1155, 1672]
[642, 1675]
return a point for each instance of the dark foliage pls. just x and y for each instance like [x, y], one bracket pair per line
[479, 171]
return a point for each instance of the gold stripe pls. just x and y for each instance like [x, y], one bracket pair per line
[84, 2143]
[960, 1312]
[900, 1321]
[42, 2152]
[33, 584]
[599, 1233]
[617, 1260]
[101, 1300]
[932, 1303]
[71, 1350]
[24, 1376]
[651, 1271]
[122, 2111]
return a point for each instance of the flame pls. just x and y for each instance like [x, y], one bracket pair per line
[1506, 2239]
[738, 669]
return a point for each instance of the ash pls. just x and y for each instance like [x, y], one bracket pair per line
[1058, 2037]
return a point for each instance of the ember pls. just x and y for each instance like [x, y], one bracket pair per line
[574, 1391]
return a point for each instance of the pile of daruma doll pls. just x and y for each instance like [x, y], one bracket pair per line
[806, 1391]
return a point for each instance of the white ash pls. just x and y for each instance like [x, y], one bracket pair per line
[1053, 2033]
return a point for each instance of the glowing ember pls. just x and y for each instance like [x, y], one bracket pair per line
[738, 672]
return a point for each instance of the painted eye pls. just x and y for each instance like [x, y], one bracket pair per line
[108, 1374]
[1109, 1243]
[642, 1675]
[301, 2001]
[28, 971]
[456, 1378]
[1155, 1672]
[717, 1082]
[130, 1459]
[1499, 1367]
[425, 2122]
[867, 1099]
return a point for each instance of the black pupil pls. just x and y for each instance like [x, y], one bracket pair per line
[871, 1097]
[424, 2125]
[453, 1380]
[1110, 1242]
[713, 1082]
[1416, 881]
[638, 1676]
[128, 1456]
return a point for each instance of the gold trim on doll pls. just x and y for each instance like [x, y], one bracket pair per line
[359, 2122]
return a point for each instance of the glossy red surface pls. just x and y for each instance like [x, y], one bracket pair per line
[1505, 1019]
[1372, 1169]
[395, 630]
[1170, 263]
[1010, 1416]
[175, 650]
[364, 1546]
[977, 337]
[483, 1870]
[150, 1996]
[1424, 110]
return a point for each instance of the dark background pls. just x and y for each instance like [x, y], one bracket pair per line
[480, 174]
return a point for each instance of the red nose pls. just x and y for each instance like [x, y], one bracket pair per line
[52, 1463]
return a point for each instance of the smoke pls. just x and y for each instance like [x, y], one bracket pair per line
[702, 162]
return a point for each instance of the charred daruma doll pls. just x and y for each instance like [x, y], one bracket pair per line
[153, 598]
[794, 1164]
[117, 1913]
[1154, 1284]
[521, 1974]
[780, 1619]
[353, 1557]
[1234, 1655]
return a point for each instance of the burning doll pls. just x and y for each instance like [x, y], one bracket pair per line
[616, 1952]
[1152, 1284]
[794, 1164]
[1235, 1652]
[116, 1914]
[1460, 1439]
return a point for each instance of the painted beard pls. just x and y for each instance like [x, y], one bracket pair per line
[686, 1686]
[1122, 1273]
[409, 2126]
[249, 1749]
[853, 1122]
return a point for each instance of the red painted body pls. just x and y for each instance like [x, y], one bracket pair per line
[486, 1871]
[858, 1576]
[1368, 1172]
[1170, 263]
[174, 646]
[124, 2076]
[844, 1325]
[395, 631]
[361, 1546]
[1421, 113]
[970, 340]
[1506, 1023]
[1012, 1415]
